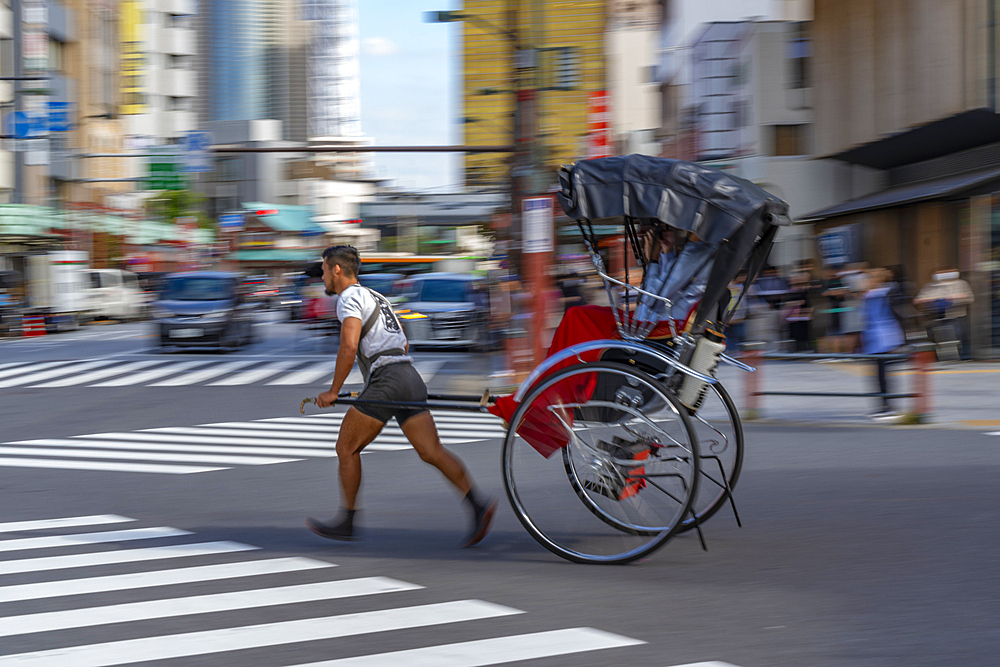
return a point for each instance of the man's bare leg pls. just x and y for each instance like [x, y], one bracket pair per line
[422, 434]
[356, 432]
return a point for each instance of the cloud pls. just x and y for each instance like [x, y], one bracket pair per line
[379, 46]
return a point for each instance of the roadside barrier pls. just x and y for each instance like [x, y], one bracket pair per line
[33, 325]
[922, 357]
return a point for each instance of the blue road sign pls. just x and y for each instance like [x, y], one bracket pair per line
[59, 117]
[21, 125]
[232, 221]
[197, 157]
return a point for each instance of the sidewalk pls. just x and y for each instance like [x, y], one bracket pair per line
[964, 395]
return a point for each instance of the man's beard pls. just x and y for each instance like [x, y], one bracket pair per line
[329, 292]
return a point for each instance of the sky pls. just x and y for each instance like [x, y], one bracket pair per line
[410, 80]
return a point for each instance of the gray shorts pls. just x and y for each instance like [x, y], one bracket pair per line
[394, 382]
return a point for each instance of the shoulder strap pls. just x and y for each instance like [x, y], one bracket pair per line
[372, 319]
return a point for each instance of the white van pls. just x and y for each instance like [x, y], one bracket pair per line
[115, 294]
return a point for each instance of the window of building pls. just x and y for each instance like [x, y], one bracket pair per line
[57, 51]
[789, 139]
[799, 52]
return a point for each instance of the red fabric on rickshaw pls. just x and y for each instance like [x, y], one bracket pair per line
[579, 325]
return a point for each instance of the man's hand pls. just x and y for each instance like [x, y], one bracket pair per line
[326, 399]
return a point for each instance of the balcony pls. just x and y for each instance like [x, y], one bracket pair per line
[179, 123]
[179, 83]
[177, 41]
[178, 7]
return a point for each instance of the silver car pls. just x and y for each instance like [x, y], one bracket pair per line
[446, 310]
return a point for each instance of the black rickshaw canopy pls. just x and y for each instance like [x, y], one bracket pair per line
[737, 218]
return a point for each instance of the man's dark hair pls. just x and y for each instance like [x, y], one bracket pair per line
[344, 256]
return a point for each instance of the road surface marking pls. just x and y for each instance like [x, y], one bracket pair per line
[87, 378]
[52, 541]
[31, 366]
[67, 522]
[45, 375]
[307, 376]
[182, 575]
[139, 378]
[121, 556]
[255, 374]
[491, 651]
[199, 604]
[58, 464]
[177, 447]
[202, 375]
[165, 437]
[176, 457]
[258, 636]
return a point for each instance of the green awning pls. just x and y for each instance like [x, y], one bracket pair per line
[275, 255]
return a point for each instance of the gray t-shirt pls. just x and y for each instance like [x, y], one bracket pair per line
[386, 334]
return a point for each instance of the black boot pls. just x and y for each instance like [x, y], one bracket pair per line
[482, 516]
[341, 528]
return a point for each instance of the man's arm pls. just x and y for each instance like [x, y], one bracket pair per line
[350, 336]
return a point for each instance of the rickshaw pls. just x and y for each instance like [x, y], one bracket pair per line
[623, 437]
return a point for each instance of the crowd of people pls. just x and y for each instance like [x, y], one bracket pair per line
[806, 310]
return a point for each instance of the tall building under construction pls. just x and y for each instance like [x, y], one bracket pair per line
[567, 39]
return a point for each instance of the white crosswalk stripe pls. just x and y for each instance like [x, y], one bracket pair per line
[210, 447]
[172, 373]
[154, 623]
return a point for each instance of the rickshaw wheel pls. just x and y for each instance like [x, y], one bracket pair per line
[630, 455]
[720, 445]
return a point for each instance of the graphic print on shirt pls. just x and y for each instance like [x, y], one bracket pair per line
[389, 318]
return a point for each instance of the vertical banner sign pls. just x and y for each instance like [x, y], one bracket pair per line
[34, 39]
[536, 216]
[133, 59]
[598, 131]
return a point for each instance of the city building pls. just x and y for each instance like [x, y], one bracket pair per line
[295, 61]
[159, 79]
[633, 105]
[908, 91]
[564, 42]
[7, 180]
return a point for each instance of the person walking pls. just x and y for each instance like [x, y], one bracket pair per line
[881, 333]
[371, 333]
[946, 300]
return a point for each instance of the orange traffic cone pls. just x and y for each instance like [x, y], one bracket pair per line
[34, 325]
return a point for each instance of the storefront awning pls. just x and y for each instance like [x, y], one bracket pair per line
[937, 189]
[277, 255]
[285, 218]
[959, 132]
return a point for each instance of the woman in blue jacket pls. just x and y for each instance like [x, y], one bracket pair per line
[882, 333]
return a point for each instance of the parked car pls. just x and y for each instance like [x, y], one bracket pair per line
[203, 308]
[386, 284]
[115, 294]
[446, 310]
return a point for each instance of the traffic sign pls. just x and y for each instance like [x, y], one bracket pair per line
[197, 157]
[232, 221]
[536, 217]
[165, 170]
[59, 117]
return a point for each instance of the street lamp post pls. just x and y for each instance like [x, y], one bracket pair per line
[526, 174]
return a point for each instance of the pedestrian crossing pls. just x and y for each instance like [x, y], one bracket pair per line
[181, 450]
[117, 372]
[181, 603]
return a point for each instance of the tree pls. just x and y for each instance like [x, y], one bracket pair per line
[172, 204]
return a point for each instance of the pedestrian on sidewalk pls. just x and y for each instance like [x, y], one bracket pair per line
[371, 333]
[881, 333]
[946, 300]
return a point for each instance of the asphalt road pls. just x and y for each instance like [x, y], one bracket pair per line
[861, 545]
